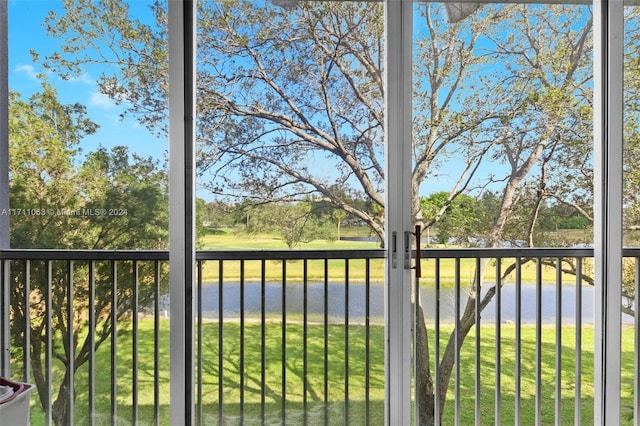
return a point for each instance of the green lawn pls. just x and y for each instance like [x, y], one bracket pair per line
[233, 241]
[336, 375]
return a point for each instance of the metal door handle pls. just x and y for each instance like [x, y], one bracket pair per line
[418, 234]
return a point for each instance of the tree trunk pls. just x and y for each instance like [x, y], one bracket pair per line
[425, 381]
[60, 413]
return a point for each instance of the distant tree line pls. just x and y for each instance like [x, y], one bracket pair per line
[294, 222]
[466, 221]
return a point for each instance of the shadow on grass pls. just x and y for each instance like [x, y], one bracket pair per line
[243, 390]
[528, 384]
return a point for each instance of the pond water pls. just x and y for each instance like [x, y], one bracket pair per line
[336, 297]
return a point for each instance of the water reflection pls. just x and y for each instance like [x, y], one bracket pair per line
[337, 294]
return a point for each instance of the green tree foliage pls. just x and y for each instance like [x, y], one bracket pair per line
[132, 191]
[104, 200]
[216, 214]
[461, 219]
[43, 143]
[339, 216]
[631, 171]
[468, 219]
[295, 223]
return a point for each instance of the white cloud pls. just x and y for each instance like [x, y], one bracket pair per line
[83, 79]
[27, 70]
[101, 101]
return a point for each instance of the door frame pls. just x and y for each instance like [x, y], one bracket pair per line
[398, 220]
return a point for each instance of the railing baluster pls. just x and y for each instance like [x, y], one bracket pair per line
[92, 341]
[134, 342]
[199, 345]
[636, 345]
[558, 385]
[436, 368]
[478, 279]
[538, 397]
[457, 339]
[326, 342]
[367, 360]
[70, 342]
[114, 342]
[518, 343]
[263, 341]
[346, 341]
[220, 342]
[242, 337]
[48, 331]
[305, 369]
[417, 396]
[284, 342]
[156, 342]
[26, 372]
[5, 328]
[498, 284]
[578, 366]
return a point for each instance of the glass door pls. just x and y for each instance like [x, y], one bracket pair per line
[502, 167]
[290, 107]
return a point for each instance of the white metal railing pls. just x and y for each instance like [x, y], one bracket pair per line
[299, 349]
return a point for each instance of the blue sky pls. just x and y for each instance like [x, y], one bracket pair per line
[25, 33]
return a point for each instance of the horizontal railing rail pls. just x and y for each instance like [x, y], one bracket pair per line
[450, 253]
[47, 254]
[42, 254]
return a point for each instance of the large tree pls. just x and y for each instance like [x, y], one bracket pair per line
[43, 142]
[540, 57]
[632, 122]
[282, 87]
[61, 200]
[290, 99]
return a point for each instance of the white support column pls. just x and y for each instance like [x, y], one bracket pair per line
[4, 188]
[608, 139]
[4, 125]
[398, 140]
[182, 45]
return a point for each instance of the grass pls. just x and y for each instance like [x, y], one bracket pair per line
[250, 374]
[253, 269]
[233, 241]
[290, 391]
